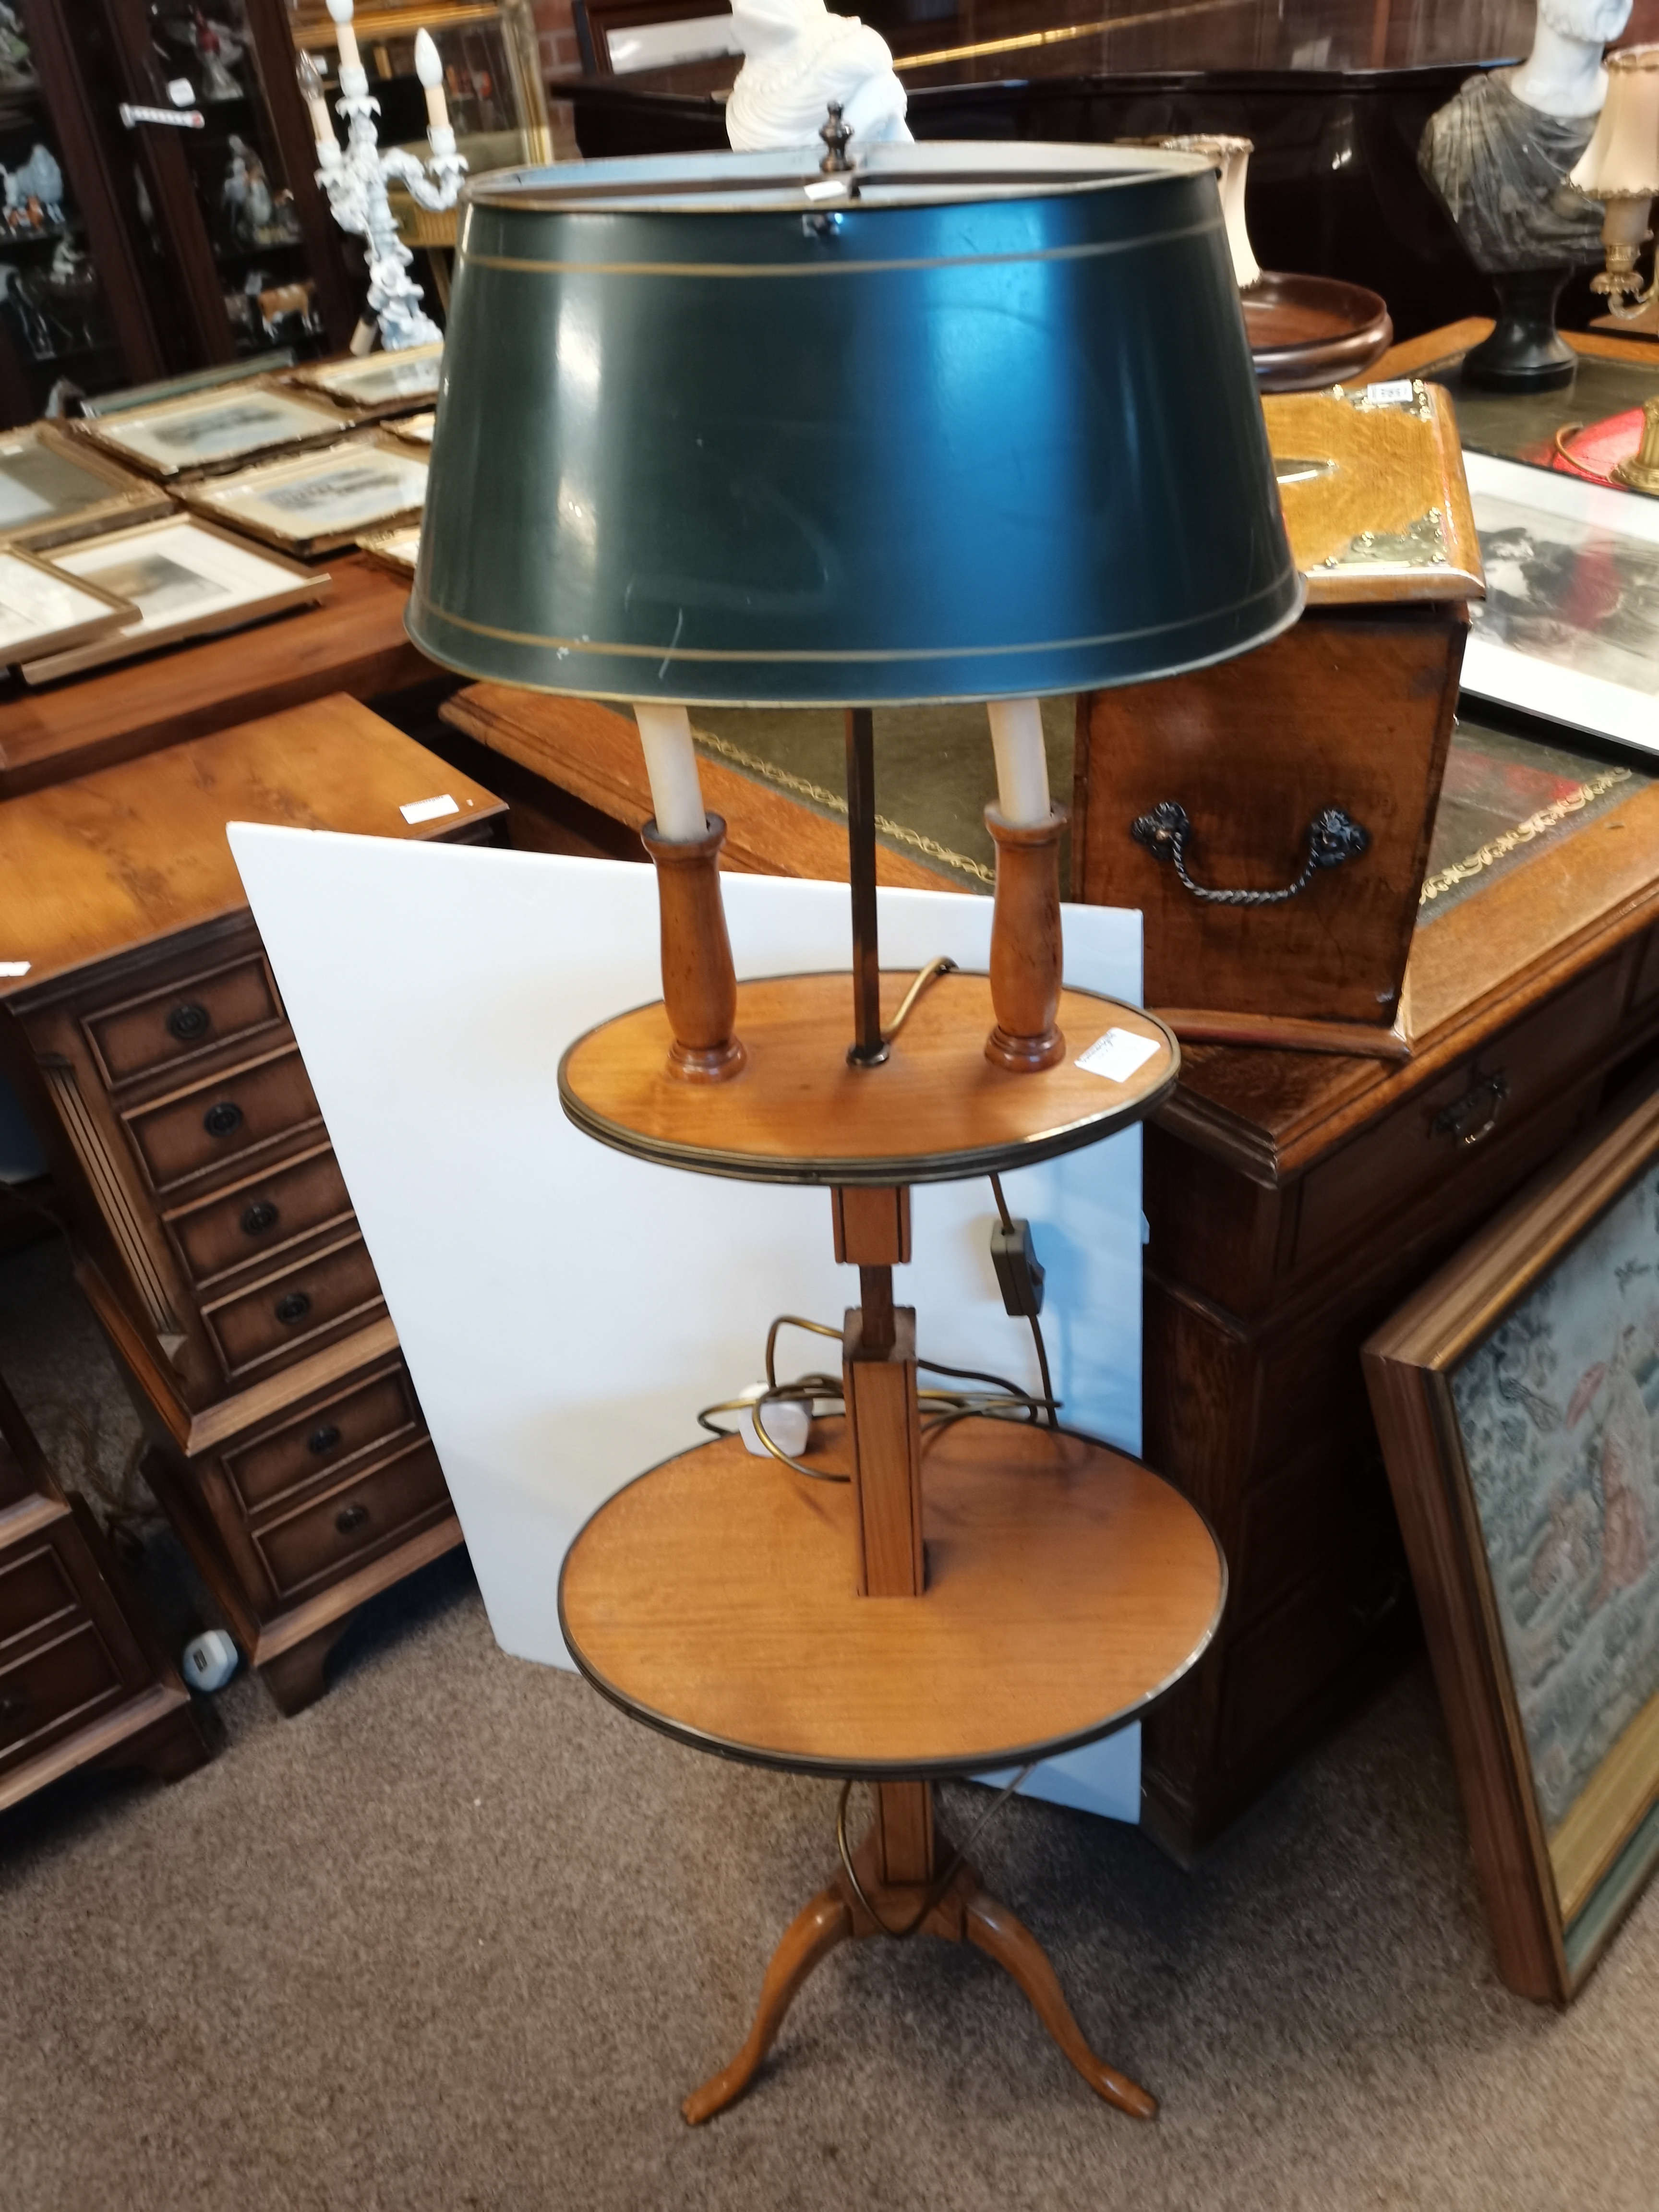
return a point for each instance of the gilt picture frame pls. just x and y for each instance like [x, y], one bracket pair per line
[320, 502]
[224, 427]
[1516, 1396]
[184, 578]
[376, 383]
[42, 610]
[55, 489]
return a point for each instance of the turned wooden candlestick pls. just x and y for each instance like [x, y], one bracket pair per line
[699, 985]
[1025, 943]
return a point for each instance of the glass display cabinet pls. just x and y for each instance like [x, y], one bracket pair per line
[74, 317]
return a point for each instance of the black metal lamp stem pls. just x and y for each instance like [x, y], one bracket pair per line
[868, 1049]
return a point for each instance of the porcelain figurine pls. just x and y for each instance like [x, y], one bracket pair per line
[797, 58]
[1498, 156]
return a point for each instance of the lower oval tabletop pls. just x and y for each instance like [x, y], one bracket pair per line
[1068, 1588]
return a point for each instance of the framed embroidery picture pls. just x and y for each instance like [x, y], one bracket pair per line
[1517, 1399]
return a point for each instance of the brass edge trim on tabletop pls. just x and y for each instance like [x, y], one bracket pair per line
[935, 1770]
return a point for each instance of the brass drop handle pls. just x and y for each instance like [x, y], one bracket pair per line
[1334, 836]
[1472, 1118]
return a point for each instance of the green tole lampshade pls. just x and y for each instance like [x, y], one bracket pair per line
[713, 428]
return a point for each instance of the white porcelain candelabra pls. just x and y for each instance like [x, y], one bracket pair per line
[355, 177]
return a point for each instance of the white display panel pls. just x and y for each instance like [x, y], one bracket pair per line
[565, 1309]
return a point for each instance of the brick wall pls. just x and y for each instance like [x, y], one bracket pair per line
[558, 38]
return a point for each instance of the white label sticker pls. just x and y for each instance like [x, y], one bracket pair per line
[15, 966]
[1396, 392]
[831, 189]
[428, 810]
[1117, 1055]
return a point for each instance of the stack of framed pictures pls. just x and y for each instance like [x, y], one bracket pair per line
[54, 489]
[173, 579]
[44, 611]
[177, 439]
[318, 502]
[370, 386]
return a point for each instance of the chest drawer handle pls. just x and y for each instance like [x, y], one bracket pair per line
[12, 1709]
[259, 1216]
[188, 1022]
[294, 1306]
[1472, 1118]
[221, 1118]
[1333, 835]
[349, 1517]
[323, 1439]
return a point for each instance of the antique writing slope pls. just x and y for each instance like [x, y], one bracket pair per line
[1272, 816]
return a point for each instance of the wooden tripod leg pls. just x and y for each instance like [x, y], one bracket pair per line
[809, 1937]
[1007, 1939]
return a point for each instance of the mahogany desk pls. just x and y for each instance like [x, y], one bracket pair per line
[353, 641]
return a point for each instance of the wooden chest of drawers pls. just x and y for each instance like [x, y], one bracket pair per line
[217, 1240]
[81, 1682]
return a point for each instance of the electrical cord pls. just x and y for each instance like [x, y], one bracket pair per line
[943, 1881]
[1007, 1220]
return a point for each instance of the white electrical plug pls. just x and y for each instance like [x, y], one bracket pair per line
[210, 1660]
[788, 1423]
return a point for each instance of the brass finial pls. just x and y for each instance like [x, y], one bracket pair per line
[835, 134]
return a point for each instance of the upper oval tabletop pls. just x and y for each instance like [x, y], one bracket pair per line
[936, 1111]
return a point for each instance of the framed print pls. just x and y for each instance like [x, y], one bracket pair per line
[218, 428]
[398, 548]
[414, 430]
[377, 383]
[1570, 625]
[42, 610]
[92, 404]
[53, 489]
[183, 579]
[323, 500]
[1517, 1399]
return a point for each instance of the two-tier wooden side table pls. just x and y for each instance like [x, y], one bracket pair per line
[216, 1240]
[925, 1594]
[83, 1680]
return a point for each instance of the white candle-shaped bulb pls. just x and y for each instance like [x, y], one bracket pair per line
[311, 85]
[671, 763]
[430, 71]
[1022, 762]
[345, 37]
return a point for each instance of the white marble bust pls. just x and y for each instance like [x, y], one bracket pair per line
[797, 58]
[1497, 155]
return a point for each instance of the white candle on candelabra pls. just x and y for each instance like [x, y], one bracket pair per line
[671, 764]
[430, 71]
[345, 37]
[311, 85]
[1022, 762]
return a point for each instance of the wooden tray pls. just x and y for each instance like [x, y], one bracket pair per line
[1307, 333]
